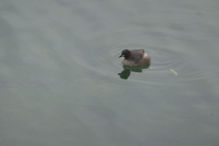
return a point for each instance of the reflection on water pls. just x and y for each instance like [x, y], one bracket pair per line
[126, 72]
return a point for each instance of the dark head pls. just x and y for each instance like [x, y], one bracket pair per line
[125, 53]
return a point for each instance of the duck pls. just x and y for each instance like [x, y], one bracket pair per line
[135, 58]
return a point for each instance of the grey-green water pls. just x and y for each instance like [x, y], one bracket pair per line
[59, 65]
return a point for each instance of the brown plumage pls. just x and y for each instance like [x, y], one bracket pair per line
[134, 58]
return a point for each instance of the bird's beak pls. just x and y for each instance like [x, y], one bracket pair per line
[120, 56]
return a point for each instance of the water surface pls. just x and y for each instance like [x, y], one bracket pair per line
[59, 68]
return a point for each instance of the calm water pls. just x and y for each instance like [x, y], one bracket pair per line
[59, 68]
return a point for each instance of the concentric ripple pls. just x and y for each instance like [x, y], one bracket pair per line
[167, 66]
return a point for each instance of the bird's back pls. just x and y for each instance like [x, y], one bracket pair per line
[137, 55]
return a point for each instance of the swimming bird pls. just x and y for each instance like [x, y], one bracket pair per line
[135, 58]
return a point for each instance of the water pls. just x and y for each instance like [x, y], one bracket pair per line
[59, 79]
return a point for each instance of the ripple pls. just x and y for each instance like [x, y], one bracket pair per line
[102, 59]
